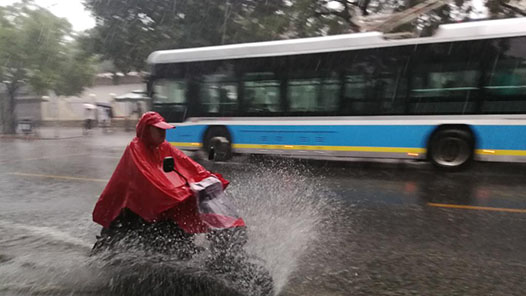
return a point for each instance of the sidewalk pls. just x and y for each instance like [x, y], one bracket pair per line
[59, 132]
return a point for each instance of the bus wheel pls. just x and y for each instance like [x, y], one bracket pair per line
[451, 149]
[219, 138]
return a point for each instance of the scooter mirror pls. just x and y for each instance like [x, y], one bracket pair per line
[211, 153]
[168, 164]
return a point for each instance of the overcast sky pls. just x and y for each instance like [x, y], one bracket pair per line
[72, 10]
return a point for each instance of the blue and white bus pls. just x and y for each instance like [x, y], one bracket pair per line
[450, 98]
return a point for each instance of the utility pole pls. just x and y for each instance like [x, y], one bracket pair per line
[3, 98]
[225, 20]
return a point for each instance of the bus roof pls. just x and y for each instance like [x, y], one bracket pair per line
[448, 32]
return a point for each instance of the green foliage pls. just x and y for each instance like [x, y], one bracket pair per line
[35, 52]
[128, 31]
[348, 11]
[76, 71]
[32, 49]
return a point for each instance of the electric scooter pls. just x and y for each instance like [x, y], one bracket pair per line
[171, 263]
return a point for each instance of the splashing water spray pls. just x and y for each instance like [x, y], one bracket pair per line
[284, 206]
[285, 210]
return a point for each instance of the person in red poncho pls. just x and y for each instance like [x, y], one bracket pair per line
[143, 205]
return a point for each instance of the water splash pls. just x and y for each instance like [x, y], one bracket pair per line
[37, 260]
[49, 233]
[285, 208]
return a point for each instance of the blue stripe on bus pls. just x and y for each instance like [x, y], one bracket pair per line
[186, 134]
[409, 136]
[370, 136]
[505, 137]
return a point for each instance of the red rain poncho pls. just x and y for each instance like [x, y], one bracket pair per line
[140, 184]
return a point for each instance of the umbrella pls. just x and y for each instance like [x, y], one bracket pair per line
[103, 105]
[134, 96]
[89, 106]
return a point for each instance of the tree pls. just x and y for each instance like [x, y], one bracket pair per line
[34, 52]
[505, 7]
[128, 31]
[343, 16]
[76, 70]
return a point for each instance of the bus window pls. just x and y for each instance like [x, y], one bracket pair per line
[218, 94]
[506, 77]
[355, 87]
[314, 95]
[356, 93]
[303, 95]
[375, 81]
[261, 93]
[330, 95]
[448, 83]
[313, 84]
[169, 91]
[445, 78]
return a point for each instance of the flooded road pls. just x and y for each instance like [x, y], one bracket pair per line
[358, 228]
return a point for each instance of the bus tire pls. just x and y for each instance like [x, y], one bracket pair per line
[216, 132]
[451, 149]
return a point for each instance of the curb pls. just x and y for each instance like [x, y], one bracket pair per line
[34, 138]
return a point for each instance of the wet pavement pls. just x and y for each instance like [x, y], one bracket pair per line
[322, 228]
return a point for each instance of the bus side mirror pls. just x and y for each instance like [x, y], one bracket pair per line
[168, 164]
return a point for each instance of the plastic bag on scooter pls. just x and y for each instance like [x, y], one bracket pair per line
[214, 207]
